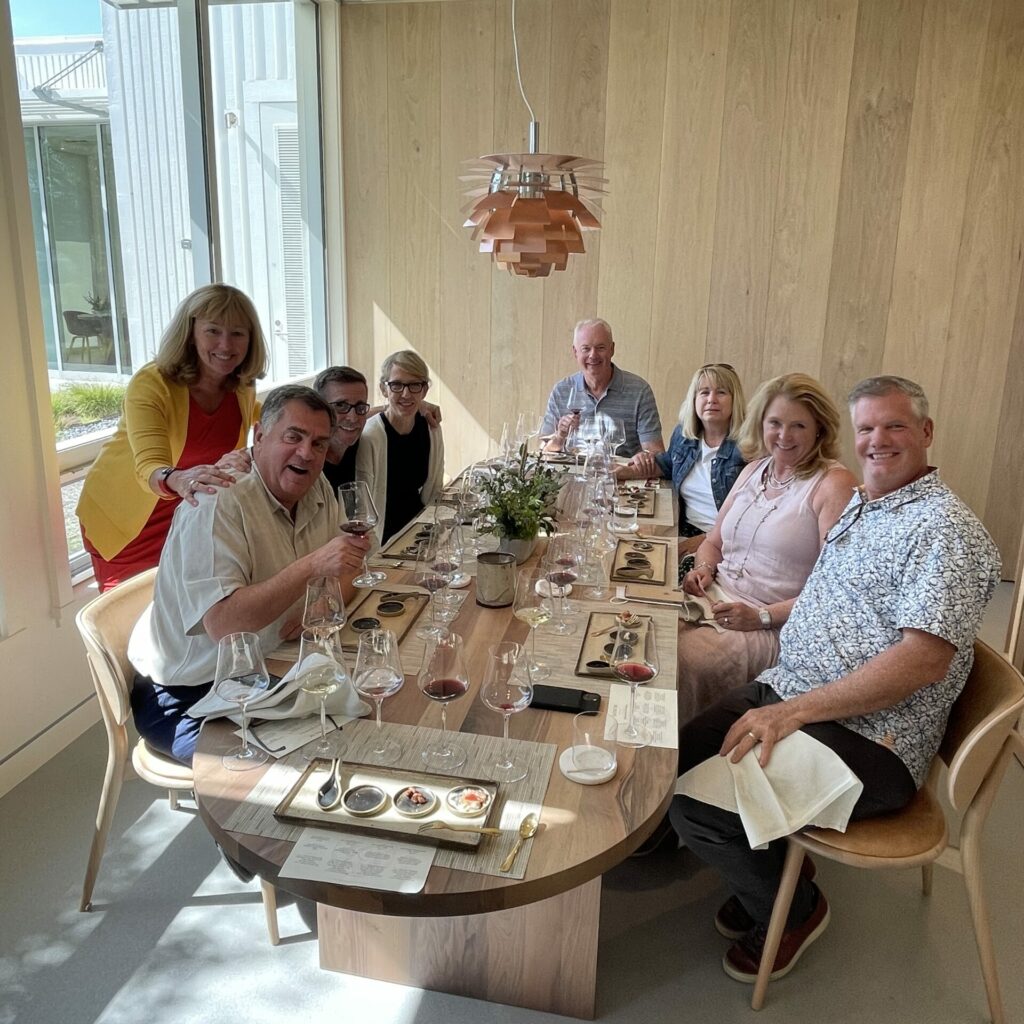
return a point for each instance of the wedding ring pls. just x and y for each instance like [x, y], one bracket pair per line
[753, 737]
[726, 620]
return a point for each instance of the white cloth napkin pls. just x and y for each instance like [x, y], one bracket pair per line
[804, 784]
[287, 700]
[696, 608]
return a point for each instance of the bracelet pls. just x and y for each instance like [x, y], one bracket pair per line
[165, 488]
[707, 565]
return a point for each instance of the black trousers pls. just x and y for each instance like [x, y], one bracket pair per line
[717, 836]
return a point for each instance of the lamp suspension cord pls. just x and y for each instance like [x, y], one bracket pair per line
[519, 75]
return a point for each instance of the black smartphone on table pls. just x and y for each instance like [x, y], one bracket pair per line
[564, 698]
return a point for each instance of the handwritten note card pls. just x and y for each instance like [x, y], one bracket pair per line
[655, 708]
[362, 861]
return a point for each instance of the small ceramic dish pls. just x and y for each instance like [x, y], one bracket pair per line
[468, 801]
[414, 801]
[364, 800]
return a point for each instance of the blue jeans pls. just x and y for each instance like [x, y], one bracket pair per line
[161, 716]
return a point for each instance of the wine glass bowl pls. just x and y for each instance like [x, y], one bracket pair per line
[443, 678]
[320, 671]
[535, 609]
[379, 675]
[561, 564]
[507, 690]
[360, 518]
[432, 576]
[241, 676]
[635, 664]
[324, 608]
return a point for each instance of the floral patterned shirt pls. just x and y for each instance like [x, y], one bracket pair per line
[917, 558]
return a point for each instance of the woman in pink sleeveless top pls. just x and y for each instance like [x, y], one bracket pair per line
[761, 550]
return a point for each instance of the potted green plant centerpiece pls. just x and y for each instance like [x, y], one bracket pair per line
[520, 504]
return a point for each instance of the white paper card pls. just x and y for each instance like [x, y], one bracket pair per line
[657, 709]
[362, 861]
[283, 735]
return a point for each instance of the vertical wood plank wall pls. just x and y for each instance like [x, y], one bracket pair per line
[833, 186]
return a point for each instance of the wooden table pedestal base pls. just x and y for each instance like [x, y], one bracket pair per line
[542, 956]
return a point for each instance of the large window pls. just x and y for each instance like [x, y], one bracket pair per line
[152, 172]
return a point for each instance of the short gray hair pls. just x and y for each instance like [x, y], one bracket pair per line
[594, 321]
[886, 384]
[275, 402]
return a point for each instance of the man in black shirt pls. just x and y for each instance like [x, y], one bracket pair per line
[345, 391]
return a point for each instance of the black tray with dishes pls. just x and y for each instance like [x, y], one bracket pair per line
[404, 545]
[639, 560]
[382, 608]
[643, 499]
[596, 650]
[379, 804]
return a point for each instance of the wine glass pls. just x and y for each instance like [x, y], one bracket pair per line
[533, 608]
[324, 610]
[527, 427]
[444, 678]
[320, 671]
[378, 676]
[561, 569]
[431, 578]
[360, 518]
[241, 675]
[635, 664]
[577, 397]
[506, 691]
[614, 434]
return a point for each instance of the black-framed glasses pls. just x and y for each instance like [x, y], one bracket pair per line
[414, 387]
[851, 515]
[359, 408]
[717, 366]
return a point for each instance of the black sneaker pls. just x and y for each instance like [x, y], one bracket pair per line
[662, 834]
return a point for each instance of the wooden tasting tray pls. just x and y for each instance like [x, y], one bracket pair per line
[657, 555]
[412, 604]
[645, 499]
[403, 545]
[593, 647]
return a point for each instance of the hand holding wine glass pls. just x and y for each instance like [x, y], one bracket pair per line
[635, 663]
[378, 676]
[507, 691]
[443, 679]
[360, 518]
[320, 671]
[241, 676]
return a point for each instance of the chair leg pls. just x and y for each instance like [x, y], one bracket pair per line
[117, 760]
[970, 854]
[926, 879]
[172, 799]
[777, 925]
[270, 909]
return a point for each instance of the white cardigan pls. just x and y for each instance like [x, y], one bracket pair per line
[372, 466]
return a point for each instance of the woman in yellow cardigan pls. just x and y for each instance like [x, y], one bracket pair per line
[185, 415]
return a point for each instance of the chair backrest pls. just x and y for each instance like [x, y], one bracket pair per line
[106, 624]
[979, 723]
[77, 323]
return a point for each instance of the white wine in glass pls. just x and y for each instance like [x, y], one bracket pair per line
[533, 608]
[320, 670]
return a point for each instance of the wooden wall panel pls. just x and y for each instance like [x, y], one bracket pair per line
[989, 271]
[637, 48]
[820, 56]
[574, 124]
[414, 139]
[949, 76]
[364, 70]
[830, 185]
[698, 46]
[755, 99]
[877, 134]
[467, 130]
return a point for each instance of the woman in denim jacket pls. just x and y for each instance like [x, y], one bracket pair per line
[702, 460]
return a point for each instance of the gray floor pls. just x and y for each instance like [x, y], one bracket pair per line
[174, 937]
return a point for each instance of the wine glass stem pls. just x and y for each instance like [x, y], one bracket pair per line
[444, 728]
[504, 726]
[380, 725]
[323, 719]
[244, 751]
[366, 566]
[632, 705]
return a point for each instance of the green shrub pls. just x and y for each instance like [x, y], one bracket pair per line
[86, 403]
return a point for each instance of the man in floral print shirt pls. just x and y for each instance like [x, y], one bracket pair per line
[875, 652]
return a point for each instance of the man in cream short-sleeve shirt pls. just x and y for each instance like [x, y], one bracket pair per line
[239, 561]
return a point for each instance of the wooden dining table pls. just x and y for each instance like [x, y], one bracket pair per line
[530, 941]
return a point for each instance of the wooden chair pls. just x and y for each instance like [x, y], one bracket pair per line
[105, 625]
[980, 741]
[82, 327]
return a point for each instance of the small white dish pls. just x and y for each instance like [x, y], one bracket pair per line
[459, 580]
[585, 777]
[544, 588]
[632, 528]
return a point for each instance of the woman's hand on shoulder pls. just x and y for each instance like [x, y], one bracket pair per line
[238, 461]
[432, 414]
[187, 483]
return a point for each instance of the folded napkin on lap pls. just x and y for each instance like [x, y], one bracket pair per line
[287, 700]
[805, 783]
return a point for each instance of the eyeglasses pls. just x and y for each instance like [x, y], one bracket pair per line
[717, 366]
[851, 516]
[414, 387]
[359, 408]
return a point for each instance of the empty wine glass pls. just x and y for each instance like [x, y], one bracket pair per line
[561, 563]
[241, 675]
[324, 610]
[443, 678]
[320, 671]
[506, 690]
[360, 518]
[431, 578]
[614, 434]
[635, 663]
[533, 608]
[379, 675]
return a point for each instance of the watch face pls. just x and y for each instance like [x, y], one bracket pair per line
[766, 617]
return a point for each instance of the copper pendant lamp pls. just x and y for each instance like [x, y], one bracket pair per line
[529, 210]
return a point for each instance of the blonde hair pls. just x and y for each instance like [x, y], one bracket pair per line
[717, 375]
[795, 387]
[405, 360]
[177, 358]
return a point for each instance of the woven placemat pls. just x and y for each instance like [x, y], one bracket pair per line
[515, 799]
[391, 554]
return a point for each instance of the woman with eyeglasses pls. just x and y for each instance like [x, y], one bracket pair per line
[703, 459]
[754, 561]
[401, 456]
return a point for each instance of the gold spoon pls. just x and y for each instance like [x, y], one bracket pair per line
[484, 830]
[527, 830]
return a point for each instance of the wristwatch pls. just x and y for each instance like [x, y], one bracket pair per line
[766, 617]
[161, 480]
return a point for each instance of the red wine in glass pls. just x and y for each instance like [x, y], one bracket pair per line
[358, 527]
[433, 583]
[634, 672]
[562, 577]
[444, 690]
